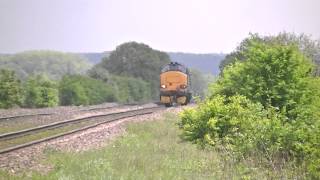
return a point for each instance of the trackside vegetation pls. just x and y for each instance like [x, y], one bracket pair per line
[37, 79]
[82, 90]
[265, 105]
[10, 89]
[130, 89]
[40, 92]
[153, 150]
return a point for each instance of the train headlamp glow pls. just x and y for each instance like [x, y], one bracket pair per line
[183, 86]
[163, 86]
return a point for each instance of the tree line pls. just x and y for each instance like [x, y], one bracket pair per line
[46, 79]
[39, 91]
[52, 64]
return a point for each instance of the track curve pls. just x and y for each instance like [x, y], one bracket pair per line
[112, 117]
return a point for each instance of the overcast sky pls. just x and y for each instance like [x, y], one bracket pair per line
[200, 26]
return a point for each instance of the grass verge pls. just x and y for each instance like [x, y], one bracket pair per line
[149, 150]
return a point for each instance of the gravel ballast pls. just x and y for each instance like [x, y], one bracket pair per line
[31, 158]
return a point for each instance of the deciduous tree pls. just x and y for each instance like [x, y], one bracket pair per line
[10, 89]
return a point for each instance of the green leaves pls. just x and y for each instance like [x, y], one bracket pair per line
[267, 104]
[138, 61]
[41, 92]
[10, 89]
[130, 89]
[271, 75]
[219, 118]
[82, 90]
[308, 47]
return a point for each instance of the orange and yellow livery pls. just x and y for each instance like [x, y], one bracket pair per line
[174, 84]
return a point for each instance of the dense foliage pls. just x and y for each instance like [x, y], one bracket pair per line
[10, 89]
[266, 104]
[82, 90]
[41, 92]
[310, 48]
[50, 63]
[137, 60]
[127, 89]
[272, 75]
[130, 89]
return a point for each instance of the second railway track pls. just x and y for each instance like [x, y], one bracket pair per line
[4, 118]
[20, 139]
[20, 122]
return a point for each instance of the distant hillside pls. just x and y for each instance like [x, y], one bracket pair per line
[94, 58]
[206, 63]
[54, 64]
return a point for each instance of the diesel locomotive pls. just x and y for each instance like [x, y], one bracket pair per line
[175, 84]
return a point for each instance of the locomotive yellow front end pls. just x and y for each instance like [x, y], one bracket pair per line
[174, 82]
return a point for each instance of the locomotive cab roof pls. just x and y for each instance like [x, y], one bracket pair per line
[175, 66]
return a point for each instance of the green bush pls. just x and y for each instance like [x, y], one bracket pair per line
[271, 75]
[10, 89]
[131, 89]
[220, 119]
[246, 128]
[41, 92]
[82, 90]
[308, 46]
[266, 105]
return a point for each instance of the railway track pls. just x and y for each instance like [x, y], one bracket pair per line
[53, 113]
[27, 137]
[24, 115]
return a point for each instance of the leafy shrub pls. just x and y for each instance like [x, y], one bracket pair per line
[10, 89]
[309, 47]
[82, 90]
[41, 92]
[266, 105]
[271, 75]
[247, 129]
[131, 89]
[220, 119]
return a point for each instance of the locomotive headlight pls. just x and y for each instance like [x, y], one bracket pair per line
[183, 86]
[163, 86]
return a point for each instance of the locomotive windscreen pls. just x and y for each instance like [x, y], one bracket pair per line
[174, 66]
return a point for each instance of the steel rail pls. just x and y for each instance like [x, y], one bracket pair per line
[25, 115]
[19, 133]
[59, 123]
[54, 113]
